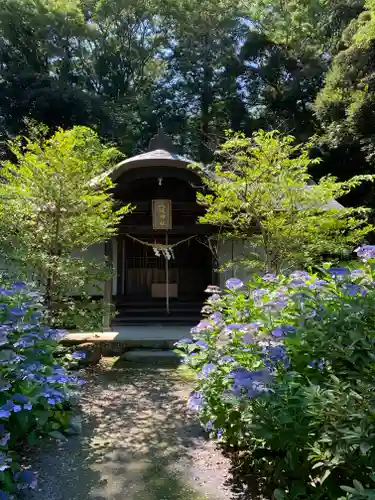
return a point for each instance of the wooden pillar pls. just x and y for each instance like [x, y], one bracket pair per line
[108, 252]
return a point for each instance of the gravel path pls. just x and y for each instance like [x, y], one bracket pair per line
[138, 443]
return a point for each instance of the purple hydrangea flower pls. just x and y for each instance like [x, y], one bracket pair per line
[234, 284]
[258, 294]
[213, 298]
[212, 289]
[204, 325]
[269, 277]
[357, 273]
[184, 342]
[227, 359]
[216, 317]
[219, 433]
[248, 339]
[4, 439]
[366, 252]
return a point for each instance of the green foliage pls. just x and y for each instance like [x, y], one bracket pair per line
[346, 103]
[54, 204]
[285, 371]
[261, 192]
[84, 314]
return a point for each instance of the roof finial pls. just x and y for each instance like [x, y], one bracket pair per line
[162, 141]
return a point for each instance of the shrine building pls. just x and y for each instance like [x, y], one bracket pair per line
[161, 258]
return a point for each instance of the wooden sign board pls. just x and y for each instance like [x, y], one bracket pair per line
[161, 214]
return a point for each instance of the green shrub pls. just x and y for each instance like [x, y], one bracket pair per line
[34, 389]
[286, 373]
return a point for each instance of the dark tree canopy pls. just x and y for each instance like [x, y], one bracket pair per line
[199, 68]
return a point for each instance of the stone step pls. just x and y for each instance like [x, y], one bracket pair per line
[151, 356]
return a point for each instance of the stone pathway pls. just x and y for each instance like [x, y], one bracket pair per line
[138, 443]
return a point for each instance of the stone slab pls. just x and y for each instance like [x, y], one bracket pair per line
[132, 334]
[151, 355]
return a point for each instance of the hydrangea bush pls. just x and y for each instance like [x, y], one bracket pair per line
[34, 389]
[286, 377]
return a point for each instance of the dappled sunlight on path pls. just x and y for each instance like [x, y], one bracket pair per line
[138, 443]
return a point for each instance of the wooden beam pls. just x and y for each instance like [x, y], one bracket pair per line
[194, 229]
[120, 276]
[108, 285]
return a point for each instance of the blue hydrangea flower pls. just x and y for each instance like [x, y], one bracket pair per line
[9, 357]
[297, 282]
[25, 479]
[227, 359]
[202, 344]
[4, 495]
[196, 401]
[219, 433]
[19, 285]
[207, 369]
[300, 275]
[275, 305]
[17, 312]
[249, 383]
[282, 330]
[352, 290]
[79, 355]
[234, 284]
[316, 364]
[316, 285]
[339, 272]
[24, 342]
[4, 461]
[274, 354]
[209, 426]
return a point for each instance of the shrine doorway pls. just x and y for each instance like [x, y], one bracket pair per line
[150, 285]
